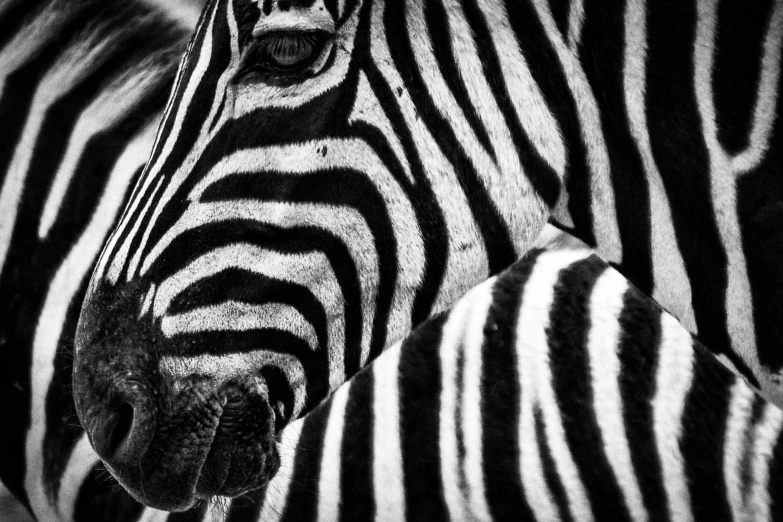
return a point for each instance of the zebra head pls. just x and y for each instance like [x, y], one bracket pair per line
[308, 199]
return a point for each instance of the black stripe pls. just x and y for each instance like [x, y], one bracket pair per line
[603, 59]
[549, 469]
[561, 9]
[703, 436]
[775, 485]
[101, 498]
[572, 382]
[317, 188]
[638, 350]
[547, 71]
[194, 47]
[439, 30]
[759, 196]
[420, 388]
[302, 499]
[429, 216]
[356, 473]
[675, 126]
[494, 232]
[542, 177]
[247, 507]
[500, 396]
[737, 69]
[14, 19]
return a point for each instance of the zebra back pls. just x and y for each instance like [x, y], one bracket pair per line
[555, 391]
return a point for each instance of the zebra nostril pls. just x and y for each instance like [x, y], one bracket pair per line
[126, 433]
[122, 427]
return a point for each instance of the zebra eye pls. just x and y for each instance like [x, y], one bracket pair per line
[283, 52]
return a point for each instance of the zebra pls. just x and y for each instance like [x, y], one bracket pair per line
[581, 360]
[553, 391]
[330, 173]
[83, 84]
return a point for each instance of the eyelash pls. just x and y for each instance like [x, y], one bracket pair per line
[283, 53]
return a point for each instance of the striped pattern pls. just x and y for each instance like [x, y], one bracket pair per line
[605, 410]
[433, 115]
[460, 129]
[555, 391]
[82, 87]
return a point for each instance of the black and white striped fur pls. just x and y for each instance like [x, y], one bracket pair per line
[83, 84]
[426, 149]
[554, 391]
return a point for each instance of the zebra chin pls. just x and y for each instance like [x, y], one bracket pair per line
[171, 436]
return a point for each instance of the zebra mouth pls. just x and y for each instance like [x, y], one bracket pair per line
[226, 471]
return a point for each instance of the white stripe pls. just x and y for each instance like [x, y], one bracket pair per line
[311, 270]
[472, 371]
[63, 289]
[117, 262]
[31, 38]
[329, 486]
[766, 437]
[367, 109]
[146, 304]
[765, 112]
[671, 285]
[734, 451]
[184, 12]
[602, 197]
[152, 172]
[344, 222]
[534, 320]
[350, 154]
[466, 263]
[673, 382]
[109, 108]
[276, 497]
[230, 365]
[536, 391]
[221, 89]
[531, 469]
[529, 104]
[153, 515]
[523, 226]
[240, 316]
[606, 305]
[738, 300]
[450, 469]
[388, 487]
[75, 63]
[81, 461]
[576, 18]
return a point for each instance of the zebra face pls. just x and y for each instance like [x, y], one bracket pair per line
[296, 216]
